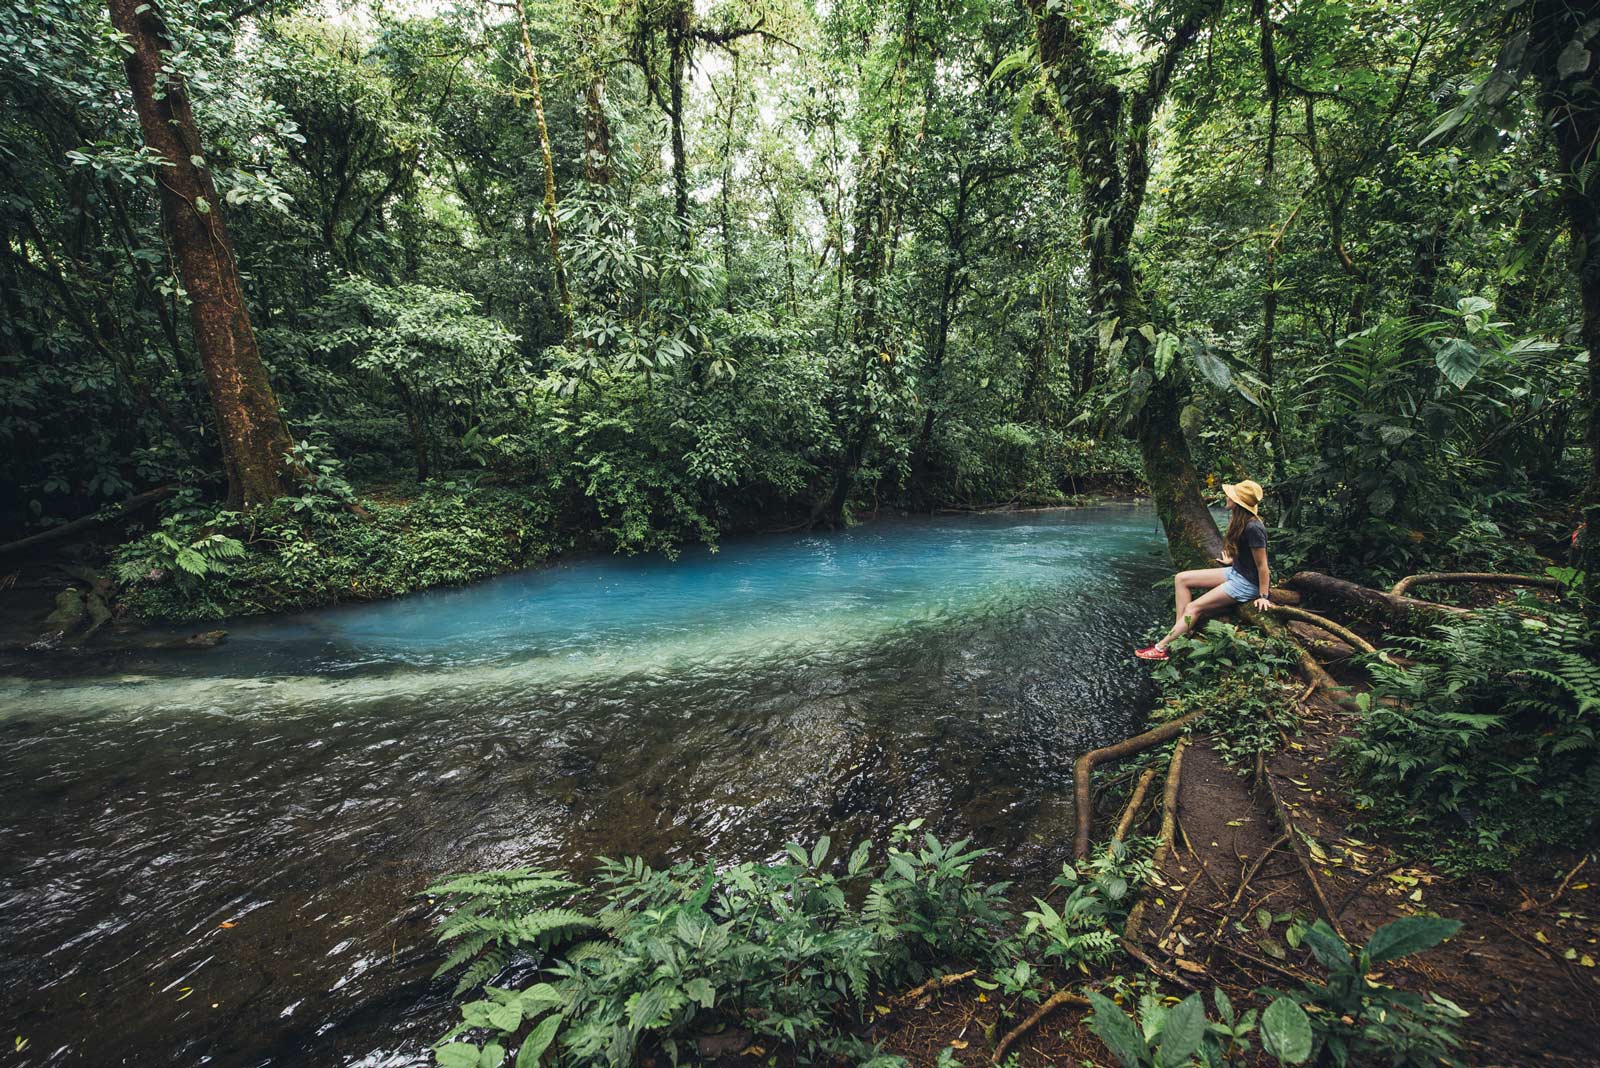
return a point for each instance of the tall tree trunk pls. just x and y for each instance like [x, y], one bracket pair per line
[255, 442]
[677, 44]
[1110, 142]
[1571, 101]
[550, 221]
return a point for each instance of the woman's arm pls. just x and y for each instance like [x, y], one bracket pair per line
[1264, 574]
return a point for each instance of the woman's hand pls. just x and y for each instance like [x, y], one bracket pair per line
[1262, 604]
[1225, 559]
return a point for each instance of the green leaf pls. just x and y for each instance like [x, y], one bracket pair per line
[1286, 1031]
[700, 989]
[1326, 946]
[1409, 935]
[457, 1055]
[1184, 1028]
[1573, 60]
[202, 205]
[505, 1017]
[538, 1041]
[1459, 361]
[1113, 1027]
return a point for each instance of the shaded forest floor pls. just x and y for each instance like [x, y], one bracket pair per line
[1523, 964]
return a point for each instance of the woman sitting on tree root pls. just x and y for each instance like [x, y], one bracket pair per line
[1245, 577]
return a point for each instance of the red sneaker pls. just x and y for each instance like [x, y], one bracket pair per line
[1150, 652]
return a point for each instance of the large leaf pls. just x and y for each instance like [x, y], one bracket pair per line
[538, 1041]
[1409, 935]
[1211, 365]
[1326, 946]
[1286, 1031]
[1113, 1027]
[1459, 361]
[1183, 1030]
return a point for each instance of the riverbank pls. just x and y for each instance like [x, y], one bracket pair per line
[1257, 848]
[194, 568]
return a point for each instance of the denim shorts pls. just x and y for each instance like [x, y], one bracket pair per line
[1238, 587]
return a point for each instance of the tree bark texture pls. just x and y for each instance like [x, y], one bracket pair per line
[255, 443]
[1110, 142]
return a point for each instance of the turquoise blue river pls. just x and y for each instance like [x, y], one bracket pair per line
[303, 781]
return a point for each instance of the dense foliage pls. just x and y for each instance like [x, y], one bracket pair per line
[1491, 737]
[666, 270]
[797, 952]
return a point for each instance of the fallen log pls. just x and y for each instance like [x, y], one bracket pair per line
[938, 982]
[1485, 577]
[68, 531]
[1395, 608]
[1084, 769]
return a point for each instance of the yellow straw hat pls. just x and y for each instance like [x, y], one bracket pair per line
[1246, 495]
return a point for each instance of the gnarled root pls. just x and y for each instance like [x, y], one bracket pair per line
[1169, 823]
[1084, 768]
[1338, 630]
[1125, 824]
[1487, 577]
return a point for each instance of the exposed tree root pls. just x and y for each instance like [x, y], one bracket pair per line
[1049, 1005]
[1314, 672]
[1169, 822]
[1394, 608]
[1487, 577]
[1125, 824]
[1287, 823]
[938, 982]
[1338, 630]
[1084, 769]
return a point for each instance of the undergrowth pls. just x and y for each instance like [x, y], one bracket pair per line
[1486, 746]
[642, 961]
[1236, 676]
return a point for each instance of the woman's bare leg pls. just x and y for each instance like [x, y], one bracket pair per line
[1209, 603]
[1186, 582]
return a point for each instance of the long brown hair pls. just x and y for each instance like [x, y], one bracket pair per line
[1237, 521]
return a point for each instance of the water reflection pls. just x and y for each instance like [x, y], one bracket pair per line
[303, 781]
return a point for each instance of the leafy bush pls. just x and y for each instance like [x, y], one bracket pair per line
[1086, 928]
[1360, 1021]
[657, 958]
[1236, 677]
[313, 550]
[1490, 738]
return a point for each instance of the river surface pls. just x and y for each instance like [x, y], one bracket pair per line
[212, 857]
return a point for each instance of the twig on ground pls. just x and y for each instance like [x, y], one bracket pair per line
[1138, 954]
[1049, 1005]
[1560, 889]
[1287, 822]
[936, 983]
[1250, 873]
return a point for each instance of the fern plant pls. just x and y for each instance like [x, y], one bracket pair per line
[657, 958]
[1085, 930]
[1490, 737]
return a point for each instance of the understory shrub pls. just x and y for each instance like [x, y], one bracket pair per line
[794, 952]
[312, 550]
[1490, 739]
[1236, 676]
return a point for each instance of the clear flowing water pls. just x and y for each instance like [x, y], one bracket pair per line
[302, 782]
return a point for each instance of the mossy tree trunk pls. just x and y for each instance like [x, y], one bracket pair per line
[1569, 92]
[255, 443]
[1108, 136]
